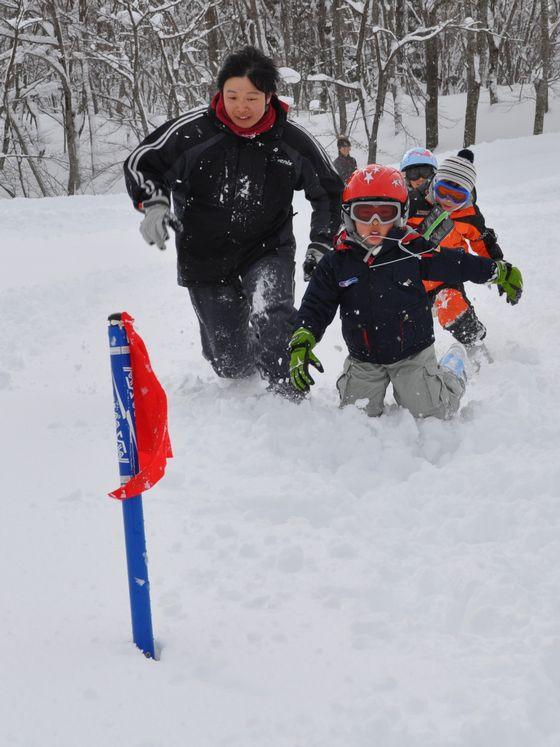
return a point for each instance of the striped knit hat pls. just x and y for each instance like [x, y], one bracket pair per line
[459, 170]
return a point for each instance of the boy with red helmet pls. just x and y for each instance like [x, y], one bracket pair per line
[375, 275]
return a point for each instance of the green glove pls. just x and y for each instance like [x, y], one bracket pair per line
[509, 281]
[301, 357]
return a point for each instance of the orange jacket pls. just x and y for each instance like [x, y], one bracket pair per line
[470, 233]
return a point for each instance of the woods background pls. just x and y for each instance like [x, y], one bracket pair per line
[83, 80]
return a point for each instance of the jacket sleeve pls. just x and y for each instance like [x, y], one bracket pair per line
[323, 187]
[483, 240]
[454, 267]
[321, 299]
[150, 168]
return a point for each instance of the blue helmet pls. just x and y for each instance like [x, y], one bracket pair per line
[418, 157]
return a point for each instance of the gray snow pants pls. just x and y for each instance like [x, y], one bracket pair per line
[419, 384]
[246, 325]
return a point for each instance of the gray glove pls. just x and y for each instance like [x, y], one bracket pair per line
[154, 226]
[436, 226]
[313, 255]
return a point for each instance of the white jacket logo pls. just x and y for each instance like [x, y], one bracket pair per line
[346, 283]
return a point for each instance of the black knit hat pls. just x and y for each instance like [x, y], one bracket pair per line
[343, 142]
[466, 153]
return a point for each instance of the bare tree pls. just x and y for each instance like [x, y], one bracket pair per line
[495, 38]
[384, 65]
[337, 10]
[431, 47]
[541, 79]
[81, 80]
[474, 77]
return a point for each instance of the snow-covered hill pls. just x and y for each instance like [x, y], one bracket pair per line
[319, 579]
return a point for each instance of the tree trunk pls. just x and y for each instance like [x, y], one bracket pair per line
[174, 107]
[494, 44]
[541, 83]
[360, 65]
[338, 57]
[540, 106]
[379, 103]
[6, 103]
[397, 83]
[211, 20]
[545, 48]
[382, 82]
[32, 163]
[286, 26]
[92, 120]
[493, 56]
[473, 82]
[431, 113]
[256, 16]
[69, 113]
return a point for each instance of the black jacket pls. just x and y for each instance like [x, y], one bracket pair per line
[233, 195]
[384, 309]
[345, 166]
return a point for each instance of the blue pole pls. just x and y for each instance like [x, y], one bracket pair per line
[133, 515]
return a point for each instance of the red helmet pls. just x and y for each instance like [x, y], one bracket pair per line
[375, 182]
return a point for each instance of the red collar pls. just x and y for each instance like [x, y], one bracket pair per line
[265, 123]
[340, 241]
[343, 243]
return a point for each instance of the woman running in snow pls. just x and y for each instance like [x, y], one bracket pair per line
[375, 275]
[231, 170]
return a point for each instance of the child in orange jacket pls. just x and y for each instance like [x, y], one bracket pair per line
[453, 189]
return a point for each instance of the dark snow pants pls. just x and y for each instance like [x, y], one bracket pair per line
[246, 324]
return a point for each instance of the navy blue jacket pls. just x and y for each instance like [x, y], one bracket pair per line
[384, 308]
[232, 194]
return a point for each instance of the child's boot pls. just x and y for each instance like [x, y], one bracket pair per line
[455, 360]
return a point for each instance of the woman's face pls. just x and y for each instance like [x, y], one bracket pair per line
[244, 103]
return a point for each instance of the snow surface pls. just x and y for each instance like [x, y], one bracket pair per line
[319, 579]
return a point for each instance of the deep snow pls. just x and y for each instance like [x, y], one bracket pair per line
[318, 578]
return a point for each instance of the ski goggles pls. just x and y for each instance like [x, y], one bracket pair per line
[368, 211]
[418, 172]
[450, 191]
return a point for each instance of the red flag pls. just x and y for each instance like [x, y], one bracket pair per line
[150, 404]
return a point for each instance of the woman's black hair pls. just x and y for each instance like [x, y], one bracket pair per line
[250, 62]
